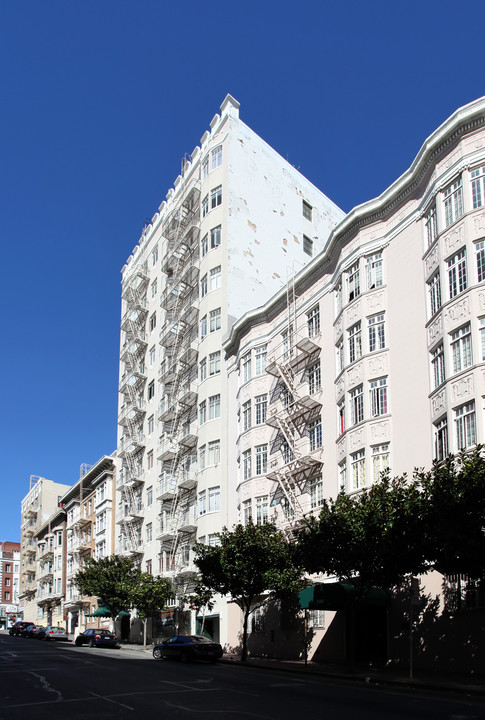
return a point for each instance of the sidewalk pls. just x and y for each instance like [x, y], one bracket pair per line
[422, 679]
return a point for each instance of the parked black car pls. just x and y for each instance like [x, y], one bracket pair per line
[187, 648]
[32, 631]
[19, 625]
[97, 638]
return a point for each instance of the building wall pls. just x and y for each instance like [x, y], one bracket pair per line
[9, 582]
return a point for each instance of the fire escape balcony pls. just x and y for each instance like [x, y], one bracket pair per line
[132, 514]
[188, 394]
[132, 350]
[189, 435]
[134, 317]
[168, 409]
[131, 444]
[188, 480]
[136, 285]
[132, 412]
[131, 381]
[189, 350]
[166, 533]
[167, 488]
[188, 522]
[167, 450]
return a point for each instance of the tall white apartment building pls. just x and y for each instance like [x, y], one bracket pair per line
[37, 508]
[238, 220]
[375, 351]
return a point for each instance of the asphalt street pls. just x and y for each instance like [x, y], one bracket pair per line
[60, 681]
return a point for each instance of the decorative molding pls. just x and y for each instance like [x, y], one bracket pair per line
[353, 314]
[380, 431]
[377, 365]
[341, 449]
[457, 312]
[354, 375]
[479, 224]
[481, 300]
[435, 330]
[432, 260]
[356, 440]
[340, 388]
[462, 388]
[438, 403]
[454, 238]
[339, 327]
[375, 301]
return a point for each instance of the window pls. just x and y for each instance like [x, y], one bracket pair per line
[438, 365]
[155, 255]
[377, 333]
[214, 452]
[378, 397]
[214, 499]
[314, 429]
[315, 490]
[204, 245]
[457, 273]
[202, 503]
[205, 167]
[357, 461]
[205, 206]
[7, 582]
[461, 348]
[151, 424]
[215, 363]
[152, 356]
[203, 327]
[307, 210]
[286, 452]
[261, 510]
[101, 522]
[246, 415]
[246, 367]
[434, 293]
[313, 322]
[307, 245]
[149, 567]
[154, 288]
[480, 256]
[215, 237]
[149, 532]
[202, 412]
[441, 439]
[342, 475]
[152, 322]
[314, 378]
[380, 460]
[453, 202]
[216, 157]
[6, 595]
[355, 342]
[465, 428]
[353, 282]
[215, 278]
[339, 349]
[357, 405]
[215, 320]
[246, 511]
[203, 286]
[246, 463]
[203, 369]
[287, 336]
[261, 403]
[481, 323]
[316, 618]
[150, 496]
[478, 187]
[260, 360]
[341, 416]
[216, 197]
[202, 457]
[8, 567]
[150, 460]
[373, 271]
[151, 390]
[261, 459]
[431, 225]
[213, 539]
[214, 407]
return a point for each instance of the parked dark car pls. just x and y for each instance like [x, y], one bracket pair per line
[97, 638]
[188, 647]
[31, 631]
[19, 625]
[51, 632]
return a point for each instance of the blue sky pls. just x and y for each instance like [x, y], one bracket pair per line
[100, 101]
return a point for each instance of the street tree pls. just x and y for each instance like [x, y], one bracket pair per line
[150, 594]
[111, 579]
[251, 563]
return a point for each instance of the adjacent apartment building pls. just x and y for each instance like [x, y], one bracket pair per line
[9, 583]
[237, 221]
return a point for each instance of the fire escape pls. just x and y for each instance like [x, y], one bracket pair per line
[294, 404]
[178, 377]
[133, 410]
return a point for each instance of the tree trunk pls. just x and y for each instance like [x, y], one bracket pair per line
[244, 653]
[144, 621]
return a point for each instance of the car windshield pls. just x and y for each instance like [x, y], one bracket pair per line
[200, 639]
[103, 632]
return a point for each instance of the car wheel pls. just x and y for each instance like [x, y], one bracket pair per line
[157, 653]
[92, 643]
[184, 657]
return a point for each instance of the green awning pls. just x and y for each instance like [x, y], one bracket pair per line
[339, 596]
[102, 611]
[123, 613]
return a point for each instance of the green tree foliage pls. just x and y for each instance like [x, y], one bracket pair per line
[454, 509]
[251, 561]
[148, 595]
[111, 579]
[371, 539]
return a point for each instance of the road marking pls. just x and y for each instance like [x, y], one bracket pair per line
[215, 712]
[102, 697]
[46, 685]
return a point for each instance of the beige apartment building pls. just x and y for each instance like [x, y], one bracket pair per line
[237, 218]
[373, 356]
